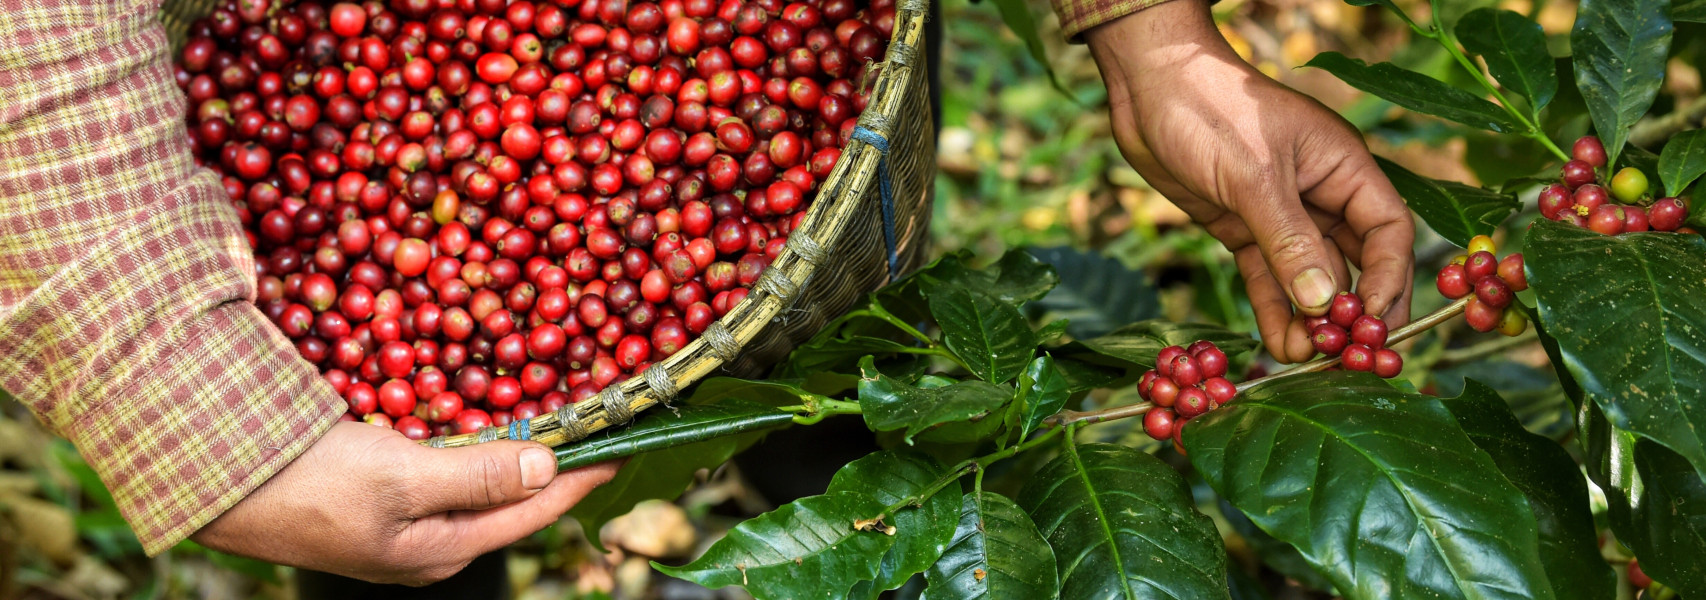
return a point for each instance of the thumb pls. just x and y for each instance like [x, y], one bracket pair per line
[480, 476]
[1293, 248]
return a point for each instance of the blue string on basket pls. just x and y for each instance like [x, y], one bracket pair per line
[521, 429]
[885, 188]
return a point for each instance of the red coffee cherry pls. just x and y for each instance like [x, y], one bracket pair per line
[1346, 308]
[1159, 423]
[1453, 282]
[1220, 390]
[1387, 363]
[1369, 330]
[1511, 271]
[1185, 371]
[1493, 292]
[1667, 214]
[1480, 265]
[1577, 173]
[1588, 149]
[1164, 392]
[1358, 357]
[1481, 317]
[1191, 403]
[1211, 361]
[1330, 339]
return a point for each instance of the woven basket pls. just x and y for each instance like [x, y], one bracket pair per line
[839, 253]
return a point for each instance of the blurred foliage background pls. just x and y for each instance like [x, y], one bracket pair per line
[1022, 163]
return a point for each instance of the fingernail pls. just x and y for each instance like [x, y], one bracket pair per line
[1313, 288]
[538, 466]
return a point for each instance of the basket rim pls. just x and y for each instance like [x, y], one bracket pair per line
[850, 180]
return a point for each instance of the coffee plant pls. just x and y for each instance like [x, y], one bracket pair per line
[995, 486]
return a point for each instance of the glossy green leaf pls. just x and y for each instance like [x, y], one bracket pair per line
[1455, 211]
[1138, 343]
[921, 533]
[1628, 316]
[991, 337]
[891, 405]
[669, 428]
[1122, 525]
[1277, 555]
[1416, 92]
[772, 392]
[836, 354]
[1096, 292]
[1655, 501]
[1619, 49]
[1379, 489]
[1017, 277]
[1549, 479]
[1514, 48]
[996, 553]
[1083, 376]
[808, 548]
[1682, 161]
[1044, 389]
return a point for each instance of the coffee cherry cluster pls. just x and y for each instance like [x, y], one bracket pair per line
[1494, 284]
[472, 211]
[1579, 199]
[1359, 340]
[1185, 383]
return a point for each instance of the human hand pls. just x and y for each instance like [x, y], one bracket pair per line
[1287, 185]
[368, 503]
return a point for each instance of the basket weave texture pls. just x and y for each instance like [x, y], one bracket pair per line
[838, 253]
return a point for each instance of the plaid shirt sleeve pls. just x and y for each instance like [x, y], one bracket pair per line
[126, 280]
[1079, 15]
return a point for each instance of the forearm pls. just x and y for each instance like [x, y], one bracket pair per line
[125, 278]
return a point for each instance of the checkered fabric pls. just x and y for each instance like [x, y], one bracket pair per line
[126, 281]
[1079, 15]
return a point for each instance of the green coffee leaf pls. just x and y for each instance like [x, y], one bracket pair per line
[1138, 344]
[1619, 49]
[1688, 11]
[1682, 161]
[808, 548]
[670, 428]
[996, 553]
[1635, 339]
[991, 337]
[1411, 509]
[1044, 389]
[1416, 92]
[891, 405]
[921, 533]
[1514, 47]
[1097, 292]
[1018, 277]
[1122, 525]
[1556, 492]
[1456, 211]
[1655, 501]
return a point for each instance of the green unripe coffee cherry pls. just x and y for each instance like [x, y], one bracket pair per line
[1629, 184]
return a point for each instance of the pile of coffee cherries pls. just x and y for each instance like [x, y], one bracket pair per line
[1185, 383]
[1359, 340]
[472, 211]
[1493, 282]
[1579, 200]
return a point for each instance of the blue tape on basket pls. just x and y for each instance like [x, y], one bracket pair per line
[885, 188]
[521, 429]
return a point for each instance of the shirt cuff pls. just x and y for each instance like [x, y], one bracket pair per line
[1077, 16]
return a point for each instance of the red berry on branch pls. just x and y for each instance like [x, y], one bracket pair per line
[1667, 214]
[1164, 392]
[1164, 360]
[1346, 308]
[1330, 339]
[1369, 330]
[1358, 357]
[1511, 271]
[1387, 363]
[1577, 173]
[1453, 282]
[1185, 371]
[1220, 390]
[1159, 423]
[1493, 292]
[1555, 198]
[1211, 360]
[1191, 403]
[1590, 197]
[1588, 149]
[1607, 220]
[1481, 317]
[1480, 265]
